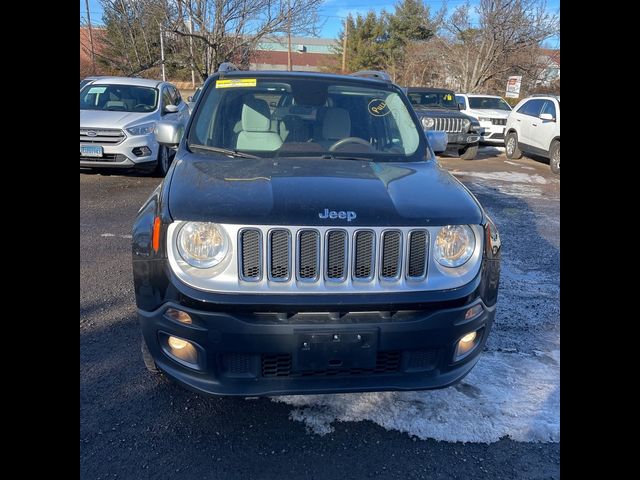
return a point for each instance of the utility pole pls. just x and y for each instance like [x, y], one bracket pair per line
[164, 78]
[93, 55]
[193, 74]
[289, 65]
[344, 45]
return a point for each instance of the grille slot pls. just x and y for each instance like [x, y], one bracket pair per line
[364, 250]
[279, 255]
[391, 248]
[251, 255]
[336, 252]
[417, 261]
[280, 365]
[499, 121]
[308, 255]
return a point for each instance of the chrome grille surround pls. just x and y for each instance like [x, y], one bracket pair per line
[102, 136]
[228, 278]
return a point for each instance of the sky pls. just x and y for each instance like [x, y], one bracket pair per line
[333, 11]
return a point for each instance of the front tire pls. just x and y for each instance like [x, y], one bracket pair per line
[511, 146]
[554, 157]
[164, 161]
[469, 152]
[147, 358]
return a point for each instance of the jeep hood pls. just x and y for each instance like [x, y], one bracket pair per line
[113, 119]
[287, 191]
[438, 112]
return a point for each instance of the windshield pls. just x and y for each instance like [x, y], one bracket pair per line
[304, 117]
[123, 98]
[487, 103]
[433, 99]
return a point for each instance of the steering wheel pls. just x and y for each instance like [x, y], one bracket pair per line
[347, 140]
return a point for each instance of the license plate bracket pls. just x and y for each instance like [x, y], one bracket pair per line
[334, 350]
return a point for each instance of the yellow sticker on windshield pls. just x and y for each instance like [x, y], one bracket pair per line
[236, 82]
[448, 97]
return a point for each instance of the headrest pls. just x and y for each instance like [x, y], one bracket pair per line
[336, 124]
[256, 116]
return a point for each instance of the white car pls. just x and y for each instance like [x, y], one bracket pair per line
[117, 120]
[490, 110]
[534, 127]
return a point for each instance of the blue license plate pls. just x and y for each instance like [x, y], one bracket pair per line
[90, 151]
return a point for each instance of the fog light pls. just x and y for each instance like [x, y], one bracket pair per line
[467, 344]
[183, 351]
[179, 344]
[179, 316]
[473, 311]
[469, 337]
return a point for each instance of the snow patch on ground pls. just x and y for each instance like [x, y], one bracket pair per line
[516, 177]
[511, 395]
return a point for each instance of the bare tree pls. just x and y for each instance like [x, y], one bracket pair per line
[504, 41]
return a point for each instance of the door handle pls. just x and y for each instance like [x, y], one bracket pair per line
[517, 119]
[534, 124]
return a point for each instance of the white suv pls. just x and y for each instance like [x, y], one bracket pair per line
[490, 110]
[534, 127]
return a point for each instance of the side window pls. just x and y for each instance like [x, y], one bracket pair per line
[166, 97]
[176, 95]
[549, 107]
[461, 101]
[531, 108]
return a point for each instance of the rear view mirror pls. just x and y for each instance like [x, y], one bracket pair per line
[437, 140]
[547, 117]
[190, 98]
[168, 133]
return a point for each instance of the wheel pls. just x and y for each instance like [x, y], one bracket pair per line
[164, 161]
[469, 152]
[147, 358]
[554, 157]
[511, 146]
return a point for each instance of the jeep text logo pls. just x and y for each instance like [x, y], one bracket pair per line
[332, 214]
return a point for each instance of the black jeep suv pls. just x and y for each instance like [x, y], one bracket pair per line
[306, 240]
[438, 111]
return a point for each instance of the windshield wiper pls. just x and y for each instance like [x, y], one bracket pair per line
[329, 156]
[225, 151]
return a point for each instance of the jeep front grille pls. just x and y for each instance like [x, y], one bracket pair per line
[102, 136]
[448, 124]
[339, 257]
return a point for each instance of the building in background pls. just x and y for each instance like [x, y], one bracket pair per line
[549, 61]
[307, 54]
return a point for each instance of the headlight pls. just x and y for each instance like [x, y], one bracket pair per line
[143, 129]
[454, 245]
[427, 122]
[484, 119]
[466, 123]
[203, 245]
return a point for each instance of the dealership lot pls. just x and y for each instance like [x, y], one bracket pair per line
[134, 425]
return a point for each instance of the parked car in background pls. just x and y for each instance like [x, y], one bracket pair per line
[117, 118]
[534, 127]
[438, 110]
[491, 112]
[306, 240]
[192, 99]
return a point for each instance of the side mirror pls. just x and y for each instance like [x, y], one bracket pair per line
[460, 107]
[168, 133]
[547, 117]
[437, 140]
[170, 109]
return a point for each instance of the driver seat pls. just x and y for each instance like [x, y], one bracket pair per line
[336, 125]
[255, 133]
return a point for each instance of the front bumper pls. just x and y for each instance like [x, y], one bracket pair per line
[493, 134]
[261, 353]
[122, 155]
[462, 138]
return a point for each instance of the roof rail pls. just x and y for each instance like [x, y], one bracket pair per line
[377, 74]
[227, 67]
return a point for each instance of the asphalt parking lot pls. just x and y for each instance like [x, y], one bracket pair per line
[501, 422]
